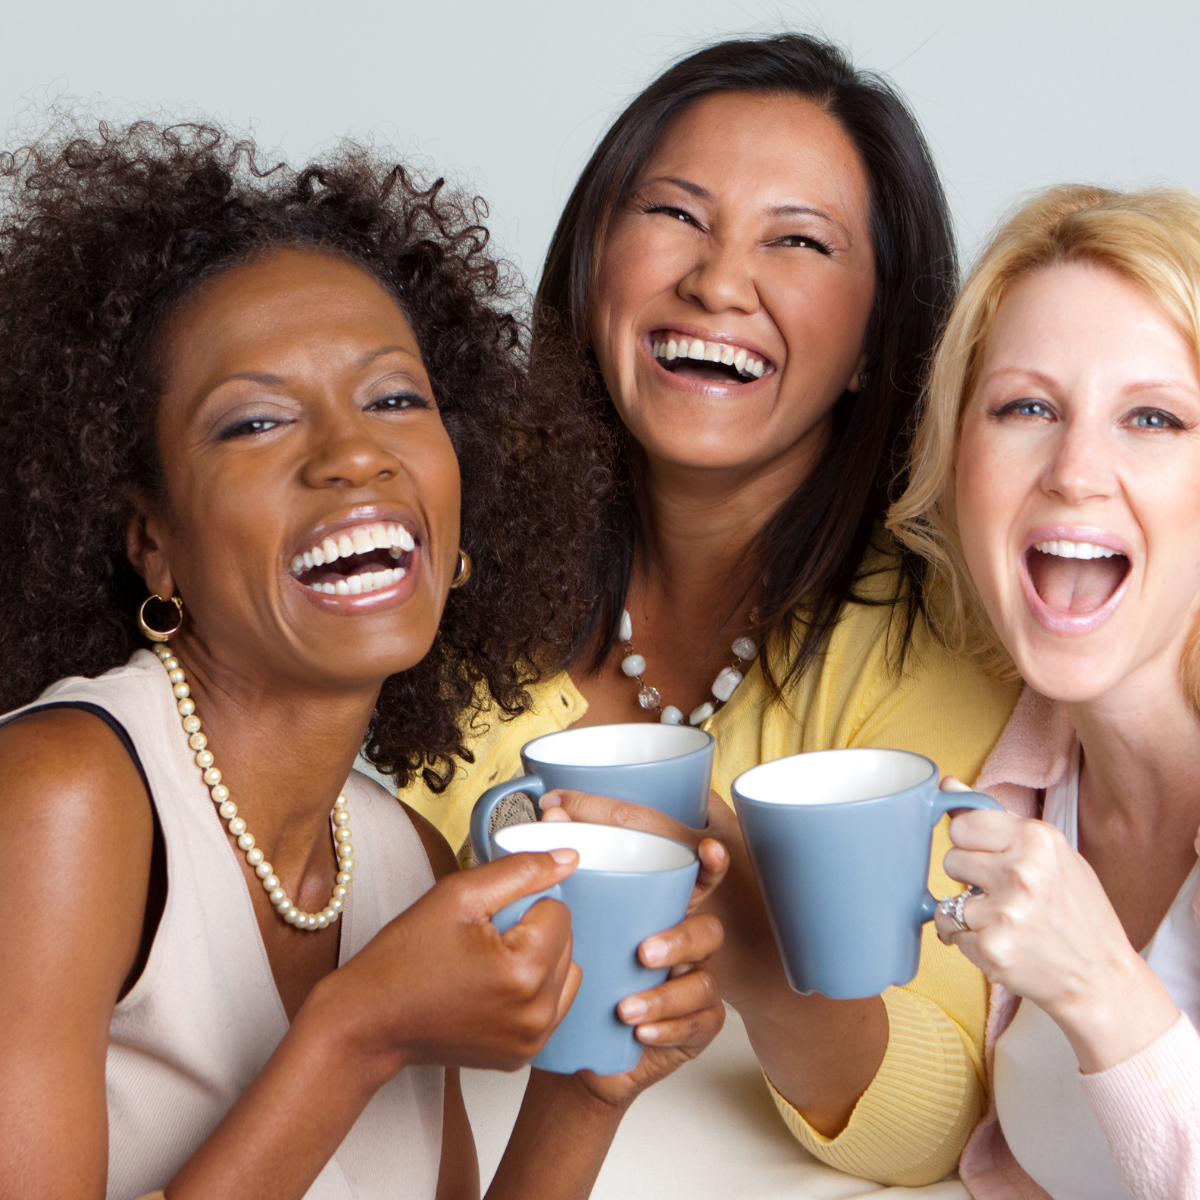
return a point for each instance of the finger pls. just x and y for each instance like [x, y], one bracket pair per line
[694, 1031]
[976, 868]
[603, 810]
[714, 863]
[675, 998]
[555, 814]
[983, 829]
[952, 783]
[692, 940]
[570, 989]
[722, 820]
[494, 885]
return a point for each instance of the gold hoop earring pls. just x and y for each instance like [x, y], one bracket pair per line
[160, 635]
[463, 571]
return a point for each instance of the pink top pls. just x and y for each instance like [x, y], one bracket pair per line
[1149, 1105]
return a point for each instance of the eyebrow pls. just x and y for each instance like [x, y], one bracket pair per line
[1049, 383]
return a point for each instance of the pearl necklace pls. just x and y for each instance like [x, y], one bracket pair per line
[723, 686]
[339, 818]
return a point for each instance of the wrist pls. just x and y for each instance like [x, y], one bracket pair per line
[572, 1098]
[345, 1036]
[1118, 1016]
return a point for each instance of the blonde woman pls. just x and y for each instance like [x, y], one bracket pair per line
[1056, 489]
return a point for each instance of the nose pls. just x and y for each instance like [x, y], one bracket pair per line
[346, 455]
[1080, 468]
[721, 279]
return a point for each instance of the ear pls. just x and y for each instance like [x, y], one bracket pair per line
[145, 546]
[855, 383]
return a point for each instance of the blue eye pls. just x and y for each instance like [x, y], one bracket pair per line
[1038, 409]
[1154, 418]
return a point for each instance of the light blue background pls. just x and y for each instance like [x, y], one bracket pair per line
[512, 96]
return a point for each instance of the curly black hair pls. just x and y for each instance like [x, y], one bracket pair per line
[102, 232]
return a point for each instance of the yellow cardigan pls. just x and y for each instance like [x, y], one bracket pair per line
[910, 1125]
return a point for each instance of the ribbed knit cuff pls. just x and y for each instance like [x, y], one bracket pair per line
[910, 1125]
[1149, 1109]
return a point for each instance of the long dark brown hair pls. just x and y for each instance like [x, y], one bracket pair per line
[811, 551]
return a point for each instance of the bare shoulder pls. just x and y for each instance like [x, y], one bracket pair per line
[68, 783]
[437, 849]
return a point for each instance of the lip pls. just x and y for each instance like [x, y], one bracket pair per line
[361, 514]
[1048, 618]
[686, 383]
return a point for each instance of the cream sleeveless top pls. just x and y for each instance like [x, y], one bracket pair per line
[205, 1015]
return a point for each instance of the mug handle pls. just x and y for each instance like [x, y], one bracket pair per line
[510, 914]
[481, 814]
[942, 804]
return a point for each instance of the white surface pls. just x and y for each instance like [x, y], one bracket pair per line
[600, 847]
[708, 1132]
[834, 776]
[514, 96]
[615, 745]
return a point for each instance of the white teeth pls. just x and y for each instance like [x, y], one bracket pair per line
[1065, 549]
[395, 539]
[699, 350]
[342, 588]
[355, 584]
[364, 581]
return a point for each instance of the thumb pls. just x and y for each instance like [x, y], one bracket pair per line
[495, 885]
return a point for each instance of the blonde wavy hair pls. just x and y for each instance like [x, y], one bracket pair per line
[1152, 239]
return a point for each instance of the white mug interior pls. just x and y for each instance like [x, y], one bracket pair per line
[834, 776]
[615, 745]
[600, 847]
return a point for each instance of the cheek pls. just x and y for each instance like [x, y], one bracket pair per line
[988, 493]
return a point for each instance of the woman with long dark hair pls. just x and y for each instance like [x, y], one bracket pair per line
[751, 274]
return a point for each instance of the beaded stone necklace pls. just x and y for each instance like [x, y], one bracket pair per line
[725, 684]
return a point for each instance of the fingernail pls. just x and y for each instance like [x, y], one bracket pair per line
[550, 800]
[654, 950]
[632, 1007]
[563, 856]
[648, 1033]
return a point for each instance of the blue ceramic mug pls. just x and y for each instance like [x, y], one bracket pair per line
[840, 842]
[628, 885]
[667, 767]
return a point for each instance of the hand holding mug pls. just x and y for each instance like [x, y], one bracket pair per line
[748, 953]
[675, 1020]
[1044, 928]
[440, 984]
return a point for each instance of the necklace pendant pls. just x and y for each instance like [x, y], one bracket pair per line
[649, 697]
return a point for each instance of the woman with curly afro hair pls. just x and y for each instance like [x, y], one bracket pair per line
[237, 409]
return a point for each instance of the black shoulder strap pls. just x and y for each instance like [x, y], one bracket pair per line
[109, 720]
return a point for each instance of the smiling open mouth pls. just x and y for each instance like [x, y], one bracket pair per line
[364, 558]
[718, 362]
[1075, 578]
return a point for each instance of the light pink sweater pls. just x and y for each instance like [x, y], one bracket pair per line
[1148, 1106]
